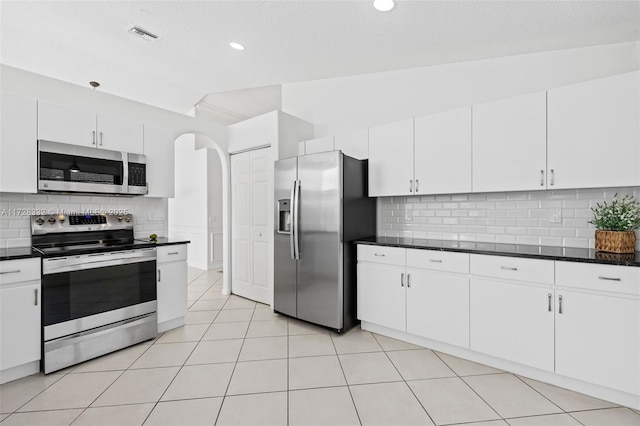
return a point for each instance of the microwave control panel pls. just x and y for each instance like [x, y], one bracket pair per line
[137, 174]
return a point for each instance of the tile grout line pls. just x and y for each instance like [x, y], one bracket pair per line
[355, 407]
[404, 380]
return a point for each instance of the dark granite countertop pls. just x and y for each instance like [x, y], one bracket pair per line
[27, 252]
[161, 241]
[570, 254]
[14, 253]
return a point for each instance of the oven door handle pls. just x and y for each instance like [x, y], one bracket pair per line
[80, 263]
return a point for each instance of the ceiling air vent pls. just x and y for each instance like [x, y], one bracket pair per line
[142, 33]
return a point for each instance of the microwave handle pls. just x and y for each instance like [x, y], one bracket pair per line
[125, 175]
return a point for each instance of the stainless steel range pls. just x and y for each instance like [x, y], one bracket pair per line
[98, 286]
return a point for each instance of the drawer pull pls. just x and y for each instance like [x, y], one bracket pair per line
[10, 272]
[379, 255]
[549, 298]
[173, 252]
[609, 278]
[435, 260]
[402, 280]
[560, 304]
[508, 268]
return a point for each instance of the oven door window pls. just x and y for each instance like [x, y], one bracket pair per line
[77, 294]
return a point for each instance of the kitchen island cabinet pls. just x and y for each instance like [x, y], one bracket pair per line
[19, 318]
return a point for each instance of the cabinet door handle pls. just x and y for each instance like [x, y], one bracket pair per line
[35, 297]
[417, 183]
[94, 137]
[541, 177]
[553, 177]
[411, 185]
[435, 260]
[379, 255]
[173, 252]
[508, 268]
[100, 138]
[560, 304]
[408, 280]
[402, 279]
[610, 278]
[159, 276]
[549, 297]
[15, 271]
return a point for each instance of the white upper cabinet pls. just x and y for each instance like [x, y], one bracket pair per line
[443, 152]
[391, 159]
[18, 161]
[120, 135]
[58, 123]
[354, 144]
[159, 148]
[509, 144]
[323, 144]
[594, 133]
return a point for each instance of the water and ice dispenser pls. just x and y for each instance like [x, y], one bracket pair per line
[284, 216]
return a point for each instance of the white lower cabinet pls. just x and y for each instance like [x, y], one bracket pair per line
[598, 325]
[381, 295]
[580, 321]
[19, 317]
[172, 286]
[512, 321]
[396, 289]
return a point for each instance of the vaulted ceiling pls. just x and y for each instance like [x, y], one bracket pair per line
[286, 41]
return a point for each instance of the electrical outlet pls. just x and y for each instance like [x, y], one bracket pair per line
[555, 215]
[408, 215]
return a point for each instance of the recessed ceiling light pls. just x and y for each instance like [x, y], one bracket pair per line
[384, 5]
[142, 33]
[236, 46]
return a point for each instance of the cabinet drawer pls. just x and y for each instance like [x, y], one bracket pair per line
[438, 260]
[381, 254]
[172, 253]
[513, 268]
[15, 271]
[613, 278]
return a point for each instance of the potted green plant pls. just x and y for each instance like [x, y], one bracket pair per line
[616, 223]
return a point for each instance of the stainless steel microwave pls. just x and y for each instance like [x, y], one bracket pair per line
[73, 168]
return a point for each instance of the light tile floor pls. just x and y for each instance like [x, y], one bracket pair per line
[235, 362]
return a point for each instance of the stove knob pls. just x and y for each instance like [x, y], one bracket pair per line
[119, 218]
[61, 220]
[39, 221]
[52, 220]
[127, 218]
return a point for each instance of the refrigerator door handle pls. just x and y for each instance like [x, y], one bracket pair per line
[292, 230]
[296, 219]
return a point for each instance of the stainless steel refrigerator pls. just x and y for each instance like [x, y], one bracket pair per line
[321, 207]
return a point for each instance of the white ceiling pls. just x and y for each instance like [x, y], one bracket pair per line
[286, 41]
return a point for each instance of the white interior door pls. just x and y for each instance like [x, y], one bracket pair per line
[251, 195]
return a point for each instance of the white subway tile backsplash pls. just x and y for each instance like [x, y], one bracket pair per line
[15, 209]
[513, 217]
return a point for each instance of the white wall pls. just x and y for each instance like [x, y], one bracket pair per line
[214, 210]
[188, 210]
[343, 104]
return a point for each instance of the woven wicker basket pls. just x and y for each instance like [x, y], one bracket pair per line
[616, 241]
